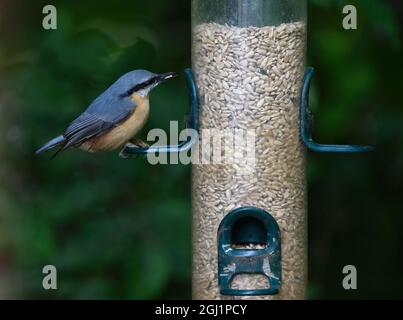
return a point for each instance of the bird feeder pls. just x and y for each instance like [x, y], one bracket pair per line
[249, 210]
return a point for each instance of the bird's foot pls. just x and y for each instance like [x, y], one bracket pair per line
[123, 154]
[139, 143]
[135, 143]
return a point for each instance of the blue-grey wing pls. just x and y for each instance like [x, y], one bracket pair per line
[105, 113]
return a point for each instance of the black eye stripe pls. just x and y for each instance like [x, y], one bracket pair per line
[140, 86]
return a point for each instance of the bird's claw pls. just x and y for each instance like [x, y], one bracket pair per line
[137, 143]
[123, 154]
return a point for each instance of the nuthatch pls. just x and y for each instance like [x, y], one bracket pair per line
[114, 118]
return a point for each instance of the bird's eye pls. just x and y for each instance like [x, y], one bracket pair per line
[140, 86]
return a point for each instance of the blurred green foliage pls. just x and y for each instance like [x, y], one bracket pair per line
[113, 228]
[122, 228]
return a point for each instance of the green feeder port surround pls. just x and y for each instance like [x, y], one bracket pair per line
[244, 226]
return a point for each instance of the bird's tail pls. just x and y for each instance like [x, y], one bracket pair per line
[50, 144]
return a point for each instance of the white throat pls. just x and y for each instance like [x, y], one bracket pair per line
[145, 91]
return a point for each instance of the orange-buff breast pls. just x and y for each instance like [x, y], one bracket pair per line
[124, 131]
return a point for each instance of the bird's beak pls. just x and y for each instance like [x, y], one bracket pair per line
[166, 76]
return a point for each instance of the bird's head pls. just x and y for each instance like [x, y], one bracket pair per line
[139, 82]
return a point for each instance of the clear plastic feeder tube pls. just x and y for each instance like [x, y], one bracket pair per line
[249, 59]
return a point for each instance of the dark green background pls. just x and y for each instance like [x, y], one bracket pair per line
[122, 228]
